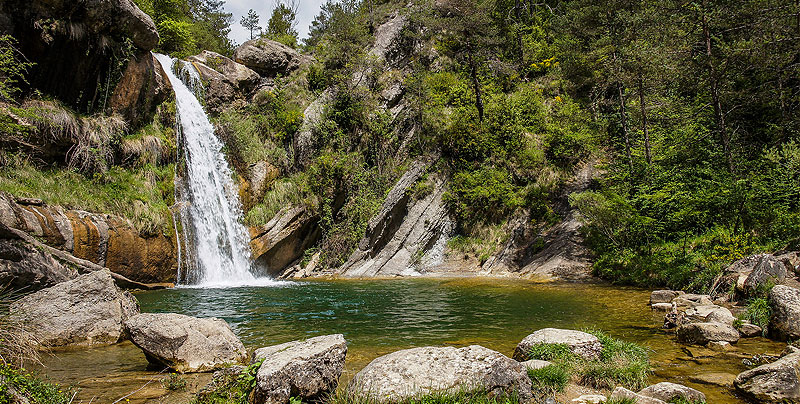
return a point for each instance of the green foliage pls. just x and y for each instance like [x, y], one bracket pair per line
[548, 380]
[552, 352]
[176, 37]
[31, 387]
[13, 67]
[284, 193]
[485, 194]
[462, 396]
[232, 388]
[174, 382]
[281, 25]
[187, 27]
[758, 312]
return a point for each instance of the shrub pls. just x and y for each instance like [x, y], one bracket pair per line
[484, 194]
[20, 383]
[12, 68]
[174, 382]
[176, 37]
[231, 389]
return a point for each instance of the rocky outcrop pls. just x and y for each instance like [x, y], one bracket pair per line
[27, 268]
[142, 88]
[225, 80]
[419, 371]
[185, 344]
[255, 182]
[105, 240]
[768, 271]
[777, 382]
[88, 310]
[268, 58]
[308, 370]
[670, 392]
[283, 240]
[704, 333]
[580, 343]
[784, 323]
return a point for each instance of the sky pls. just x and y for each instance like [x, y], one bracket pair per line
[305, 14]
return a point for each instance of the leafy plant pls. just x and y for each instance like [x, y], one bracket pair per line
[174, 382]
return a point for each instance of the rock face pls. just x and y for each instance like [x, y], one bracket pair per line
[582, 344]
[419, 371]
[777, 382]
[88, 310]
[283, 240]
[407, 236]
[784, 323]
[768, 270]
[105, 240]
[268, 58]
[703, 333]
[185, 344]
[143, 87]
[23, 266]
[669, 392]
[225, 79]
[308, 370]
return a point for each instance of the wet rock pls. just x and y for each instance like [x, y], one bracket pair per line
[769, 270]
[308, 370]
[535, 364]
[142, 88]
[412, 372]
[784, 324]
[582, 344]
[720, 346]
[664, 296]
[690, 300]
[283, 240]
[88, 310]
[666, 391]
[703, 333]
[25, 267]
[748, 330]
[790, 349]
[186, 344]
[621, 393]
[268, 58]
[714, 379]
[772, 383]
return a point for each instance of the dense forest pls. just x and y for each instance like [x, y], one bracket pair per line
[687, 110]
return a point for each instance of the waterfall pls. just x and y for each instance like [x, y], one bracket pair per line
[210, 213]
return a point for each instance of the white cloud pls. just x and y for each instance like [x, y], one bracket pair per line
[306, 13]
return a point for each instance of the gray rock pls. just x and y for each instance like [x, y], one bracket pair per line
[419, 371]
[590, 399]
[664, 296]
[791, 260]
[720, 315]
[748, 330]
[690, 300]
[212, 65]
[768, 270]
[703, 333]
[27, 268]
[666, 391]
[268, 58]
[621, 393]
[186, 344]
[535, 364]
[699, 313]
[88, 310]
[784, 324]
[308, 370]
[661, 306]
[776, 382]
[582, 344]
[283, 240]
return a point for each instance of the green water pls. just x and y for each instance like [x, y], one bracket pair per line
[378, 317]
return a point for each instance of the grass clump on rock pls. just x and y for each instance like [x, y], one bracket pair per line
[620, 363]
[549, 380]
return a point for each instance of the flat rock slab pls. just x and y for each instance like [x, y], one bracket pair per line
[669, 392]
[420, 371]
[703, 333]
[581, 343]
[714, 379]
[186, 344]
[308, 370]
[88, 310]
[776, 382]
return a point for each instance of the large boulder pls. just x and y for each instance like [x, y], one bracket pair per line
[784, 324]
[186, 344]
[777, 382]
[25, 267]
[283, 240]
[142, 88]
[703, 333]
[268, 58]
[720, 315]
[664, 296]
[768, 271]
[308, 370]
[88, 310]
[621, 394]
[581, 343]
[226, 80]
[669, 392]
[428, 370]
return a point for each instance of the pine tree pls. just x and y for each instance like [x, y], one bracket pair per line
[250, 21]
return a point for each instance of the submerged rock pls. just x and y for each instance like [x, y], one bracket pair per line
[776, 382]
[669, 392]
[88, 310]
[308, 370]
[186, 344]
[784, 324]
[426, 370]
[703, 333]
[582, 344]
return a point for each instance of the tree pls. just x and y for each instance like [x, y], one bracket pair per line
[250, 21]
[212, 25]
[281, 25]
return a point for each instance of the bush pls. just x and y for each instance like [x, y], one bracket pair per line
[176, 37]
[18, 383]
[231, 389]
[484, 194]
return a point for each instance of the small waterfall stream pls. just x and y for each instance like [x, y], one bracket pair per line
[211, 215]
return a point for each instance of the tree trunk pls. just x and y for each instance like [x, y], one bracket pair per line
[624, 123]
[476, 84]
[712, 75]
[645, 129]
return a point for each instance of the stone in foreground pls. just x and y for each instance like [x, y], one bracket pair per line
[776, 382]
[703, 333]
[784, 324]
[88, 310]
[535, 364]
[621, 393]
[186, 344]
[582, 344]
[308, 370]
[669, 392]
[420, 371]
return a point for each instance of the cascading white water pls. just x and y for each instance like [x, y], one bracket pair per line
[211, 216]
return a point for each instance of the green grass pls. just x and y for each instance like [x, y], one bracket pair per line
[231, 389]
[621, 363]
[31, 387]
[174, 382]
[284, 193]
[758, 312]
[548, 380]
[461, 397]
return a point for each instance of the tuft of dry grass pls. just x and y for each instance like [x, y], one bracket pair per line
[17, 345]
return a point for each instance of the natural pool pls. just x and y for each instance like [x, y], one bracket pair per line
[382, 316]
